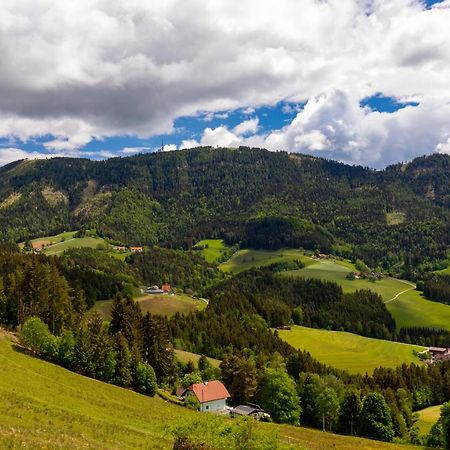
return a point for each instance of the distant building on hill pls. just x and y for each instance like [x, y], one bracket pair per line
[120, 248]
[136, 249]
[166, 288]
[212, 395]
[154, 290]
[439, 353]
[250, 410]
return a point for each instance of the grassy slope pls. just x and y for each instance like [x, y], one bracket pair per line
[185, 357]
[246, 259]
[408, 309]
[45, 406]
[66, 240]
[214, 250]
[349, 351]
[166, 305]
[427, 417]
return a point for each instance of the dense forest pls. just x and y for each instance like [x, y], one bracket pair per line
[396, 218]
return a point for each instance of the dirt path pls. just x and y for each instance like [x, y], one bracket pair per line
[413, 286]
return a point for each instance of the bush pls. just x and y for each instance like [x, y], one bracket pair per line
[34, 335]
[145, 379]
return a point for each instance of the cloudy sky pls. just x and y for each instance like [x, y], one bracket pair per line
[361, 81]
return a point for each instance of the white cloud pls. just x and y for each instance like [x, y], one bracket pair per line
[8, 155]
[134, 150]
[219, 137]
[189, 143]
[444, 147]
[247, 127]
[97, 69]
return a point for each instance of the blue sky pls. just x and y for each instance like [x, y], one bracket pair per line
[360, 82]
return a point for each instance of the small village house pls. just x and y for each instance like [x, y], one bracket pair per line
[154, 290]
[136, 249]
[250, 410]
[439, 353]
[166, 288]
[212, 395]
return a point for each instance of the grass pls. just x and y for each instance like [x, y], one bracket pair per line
[185, 357]
[427, 418]
[348, 351]
[57, 244]
[164, 305]
[214, 249]
[43, 406]
[247, 259]
[408, 307]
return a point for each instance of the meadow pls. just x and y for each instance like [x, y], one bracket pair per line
[213, 250]
[55, 245]
[407, 305]
[427, 418]
[347, 351]
[247, 259]
[185, 357]
[164, 305]
[43, 406]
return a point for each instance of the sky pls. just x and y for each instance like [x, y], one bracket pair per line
[360, 81]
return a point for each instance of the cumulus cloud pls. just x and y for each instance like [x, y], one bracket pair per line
[93, 69]
[8, 155]
[247, 127]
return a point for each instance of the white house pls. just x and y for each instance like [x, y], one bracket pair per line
[212, 395]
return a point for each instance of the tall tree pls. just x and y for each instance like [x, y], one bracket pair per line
[375, 419]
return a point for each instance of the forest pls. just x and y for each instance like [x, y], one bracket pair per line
[396, 218]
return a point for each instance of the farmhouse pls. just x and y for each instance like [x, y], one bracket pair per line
[166, 288]
[212, 395]
[154, 290]
[439, 353]
[120, 248]
[137, 249]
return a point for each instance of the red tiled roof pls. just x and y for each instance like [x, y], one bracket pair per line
[209, 391]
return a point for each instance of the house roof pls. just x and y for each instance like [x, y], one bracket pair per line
[209, 391]
[246, 410]
[437, 349]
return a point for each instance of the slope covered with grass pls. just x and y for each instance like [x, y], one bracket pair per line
[348, 351]
[45, 406]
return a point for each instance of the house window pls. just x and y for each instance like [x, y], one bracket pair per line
[207, 407]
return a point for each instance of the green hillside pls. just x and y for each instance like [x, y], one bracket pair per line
[261, 199]
[407, 306]
[43, 406]
[247, 259]
[348, 351]
[427, 418]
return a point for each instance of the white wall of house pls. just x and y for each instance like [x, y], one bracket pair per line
[215, 405]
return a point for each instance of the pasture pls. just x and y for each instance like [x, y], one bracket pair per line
[185, 357]
[55, 245]
[408, 307]
[347, 351]
[45, 406]
[164, 305]
[213, 250]
[248, 259]
[427, 418]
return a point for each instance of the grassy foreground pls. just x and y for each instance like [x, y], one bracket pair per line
[45, 406]
[348, 351]
[164, 305]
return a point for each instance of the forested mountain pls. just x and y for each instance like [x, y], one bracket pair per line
[396, 218]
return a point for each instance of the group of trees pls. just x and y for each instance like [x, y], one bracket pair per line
[260, 198]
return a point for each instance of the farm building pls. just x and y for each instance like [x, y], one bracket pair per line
[212, 395]
[250, 410]
[166, 288]
[137, 249]
[439, 353]
[154, 290]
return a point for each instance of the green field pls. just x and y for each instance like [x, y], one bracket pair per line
[214, 249]
[348, 351]
[43, 406]
[185, 357]
[407, 306]
[427, 418]
[55, 245]
[164, 305]
[247, 259]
